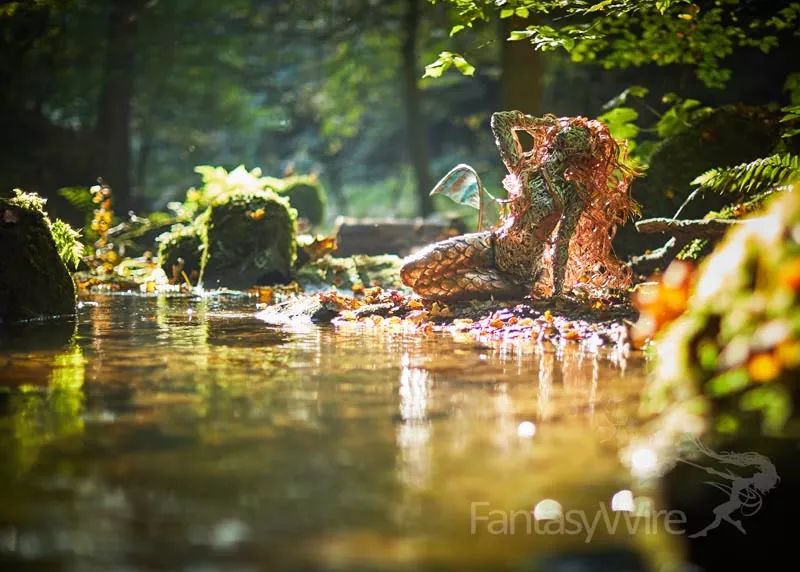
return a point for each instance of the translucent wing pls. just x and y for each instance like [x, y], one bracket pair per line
[462, 185]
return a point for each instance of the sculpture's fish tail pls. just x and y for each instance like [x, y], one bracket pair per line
[459, 268]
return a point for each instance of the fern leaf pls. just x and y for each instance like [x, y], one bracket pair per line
[751, 178]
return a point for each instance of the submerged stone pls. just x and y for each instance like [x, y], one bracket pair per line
[298, 310]
[34, 281]
[250, 240]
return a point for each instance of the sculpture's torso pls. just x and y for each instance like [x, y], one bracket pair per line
[547, 198]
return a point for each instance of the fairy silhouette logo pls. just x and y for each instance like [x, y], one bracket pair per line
[747, 477]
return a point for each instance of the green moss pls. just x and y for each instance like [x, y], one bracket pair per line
[381, 270]
[184, 242]
[328, 271]
[34, 281]
[354, 271]
[68, 245]
[250, 240]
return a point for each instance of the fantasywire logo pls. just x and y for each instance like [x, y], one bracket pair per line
[744, 478]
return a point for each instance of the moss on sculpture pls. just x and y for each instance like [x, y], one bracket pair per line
[34, 280]
[250, 240]
[737, 347]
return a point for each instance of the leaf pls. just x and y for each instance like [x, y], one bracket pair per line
[520, 35]
[456, 29]
[438, 67]
[435, 70]
[622, 98]
[751, 178]
[620, 122]
[445, 61]
[522, 12]
[506, 13]
[463, 66]
[599, 6]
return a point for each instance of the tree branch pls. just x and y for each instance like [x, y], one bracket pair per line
[687, 229]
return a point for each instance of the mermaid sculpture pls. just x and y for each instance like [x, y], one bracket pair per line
[566, 196]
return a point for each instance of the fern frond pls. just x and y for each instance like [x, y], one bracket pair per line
[79, 197]
[751, 178]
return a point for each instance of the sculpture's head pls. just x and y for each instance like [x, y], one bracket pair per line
[573, 138]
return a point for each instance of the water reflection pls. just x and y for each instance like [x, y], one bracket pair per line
[184, 433]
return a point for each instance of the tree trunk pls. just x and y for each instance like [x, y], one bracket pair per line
[521, 70]
[113, 129]
[416, 138]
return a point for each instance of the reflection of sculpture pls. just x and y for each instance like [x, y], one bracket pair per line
[565, 198]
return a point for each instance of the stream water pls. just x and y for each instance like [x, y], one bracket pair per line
[157, 433]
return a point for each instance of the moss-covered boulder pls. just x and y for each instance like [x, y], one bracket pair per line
[183, 244]
[726, 137]
[306, 195]
[352, 272]
[250, 240]
[34, 280]
[737, 347]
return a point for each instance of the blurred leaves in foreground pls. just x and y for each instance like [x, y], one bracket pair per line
[738, 344]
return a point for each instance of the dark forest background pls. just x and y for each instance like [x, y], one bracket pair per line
[141, 91]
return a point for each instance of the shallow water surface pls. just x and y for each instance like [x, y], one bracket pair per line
[184, 434]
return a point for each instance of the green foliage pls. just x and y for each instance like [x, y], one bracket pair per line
[621, 118]
[682, 114]
[737, 347]
[750, 178]
[68, 243]
[792, 111]
[219, 185]
[66, 238]
[445, 61]
[80, 198]
[302, 192]
[749, 185]
[28, 201]
[34, 281]
[621, 123]
[630, 33]
[792, 117]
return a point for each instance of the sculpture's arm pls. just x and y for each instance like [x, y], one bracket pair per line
[505, 125]
[569, 222]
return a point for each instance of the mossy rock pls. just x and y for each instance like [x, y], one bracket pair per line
[184, 242]
[34, 281]
[359, 271]
[381, 270]
[306, 195]
[250, 240]
[328, 271]
[737, 347]
[726, 137]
